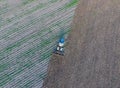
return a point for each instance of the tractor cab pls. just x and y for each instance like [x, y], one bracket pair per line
[60, 46]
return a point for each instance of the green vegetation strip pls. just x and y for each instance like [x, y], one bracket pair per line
[20, 42]
[69, 5]
[30, 53]
[27, 25]
[7, 77]
[24, 2]
[72, 3]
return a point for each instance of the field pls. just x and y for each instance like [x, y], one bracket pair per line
[29, 30]
[92, 55]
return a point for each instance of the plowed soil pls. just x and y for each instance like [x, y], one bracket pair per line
[92, 57]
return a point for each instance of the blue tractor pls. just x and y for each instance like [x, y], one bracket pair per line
[60, 46]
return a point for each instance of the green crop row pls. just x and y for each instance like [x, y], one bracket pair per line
[20, 42]
[33, 22]
[71, 4]
[31, 52]
[3, 66]
[41, 5]
[24, 2]
[53, 1]
[8, 77]
[28, 84]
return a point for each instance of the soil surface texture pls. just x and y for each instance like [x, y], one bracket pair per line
[92, 57]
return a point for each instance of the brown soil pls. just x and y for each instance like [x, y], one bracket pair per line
[92, 57]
